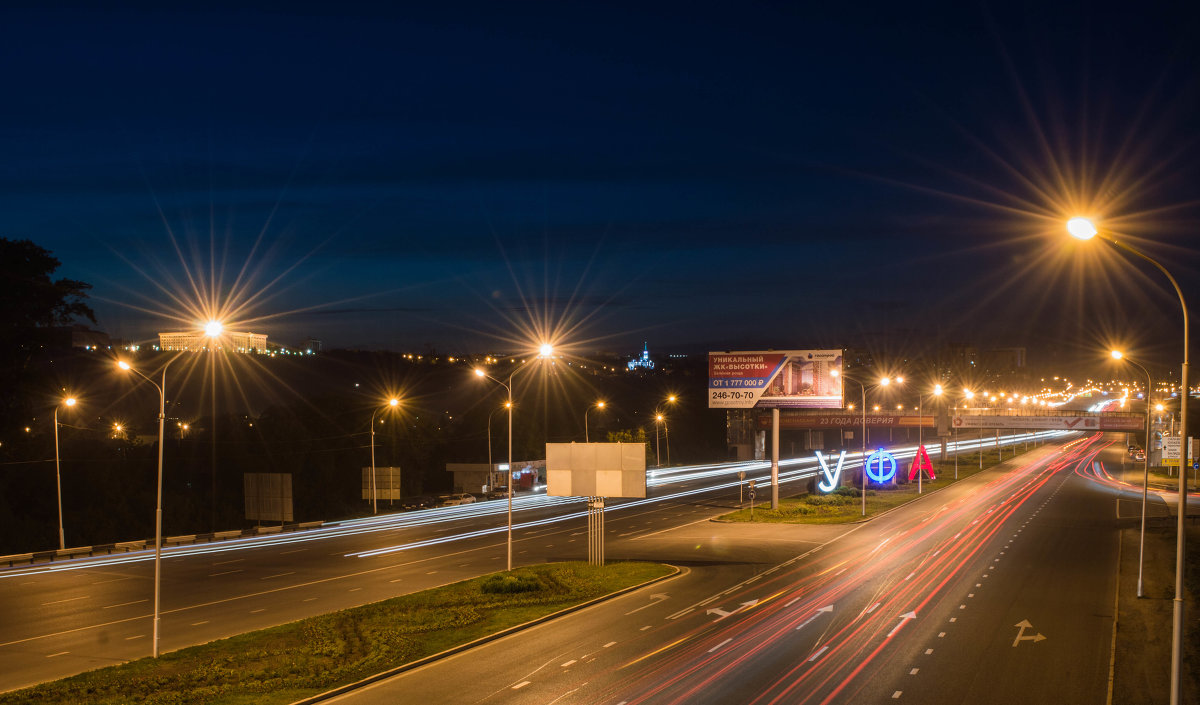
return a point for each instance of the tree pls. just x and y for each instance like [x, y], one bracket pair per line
[29, 298]
[637, 435]
[31, 303]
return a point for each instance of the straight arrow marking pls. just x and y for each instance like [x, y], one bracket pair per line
[903, 618]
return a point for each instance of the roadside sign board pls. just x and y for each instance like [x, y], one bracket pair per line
[775, 379]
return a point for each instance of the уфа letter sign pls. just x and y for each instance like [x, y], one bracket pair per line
[830, 481]
[881, 466]
[784, 379]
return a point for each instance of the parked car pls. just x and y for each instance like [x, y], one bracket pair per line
[452, 500]
[500, 492]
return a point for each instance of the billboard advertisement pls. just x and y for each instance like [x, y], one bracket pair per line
[775, 379]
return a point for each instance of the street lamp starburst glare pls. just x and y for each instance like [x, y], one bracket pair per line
[1081, 228]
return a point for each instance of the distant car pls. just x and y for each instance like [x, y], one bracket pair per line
[452, 500]
[1139, 454]
[498, 493]
[1132, 450]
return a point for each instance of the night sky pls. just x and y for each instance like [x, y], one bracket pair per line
[469, 175]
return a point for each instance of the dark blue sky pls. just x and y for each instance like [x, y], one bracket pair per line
[695, 175]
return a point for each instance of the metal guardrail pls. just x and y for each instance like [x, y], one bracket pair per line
[128, 546]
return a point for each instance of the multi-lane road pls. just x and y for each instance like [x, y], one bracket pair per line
[998, 589]
[1047, 530]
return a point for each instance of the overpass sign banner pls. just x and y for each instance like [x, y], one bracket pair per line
[779, 379]
[1058, 423]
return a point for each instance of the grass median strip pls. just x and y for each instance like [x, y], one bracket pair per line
[293, 661]
[845, 504]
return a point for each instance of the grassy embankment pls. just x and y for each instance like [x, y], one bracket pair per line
[292, 661]
[845, 505]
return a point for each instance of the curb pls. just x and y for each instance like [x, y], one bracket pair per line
[341, 690]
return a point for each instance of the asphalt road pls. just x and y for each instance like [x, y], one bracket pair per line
[998, 589]
[68, 617]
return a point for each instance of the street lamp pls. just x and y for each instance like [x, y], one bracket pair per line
[162, 416]
[1118, 355]
[491, 478]
[967, 395]
[658, 419]
[392, 403]
[597, 405]
[671, 398]
[545, 351]
[62, 542]
[883, 382]
[1083, 229]
[937, 392]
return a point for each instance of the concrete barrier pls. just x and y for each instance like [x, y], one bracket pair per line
[127, 546]
[176, 540]
[222, 535]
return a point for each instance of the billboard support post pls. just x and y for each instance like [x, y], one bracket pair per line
[775, 459]
[596, 530]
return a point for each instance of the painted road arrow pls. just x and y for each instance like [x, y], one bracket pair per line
[655, 599]
[1021, 627]
[903, 618]
[824, 610]
[722, 614]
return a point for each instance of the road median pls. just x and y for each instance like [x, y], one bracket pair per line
[309, 659]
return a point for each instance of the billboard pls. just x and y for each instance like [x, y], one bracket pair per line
[596, 469]
[387, 483]
[1061, 423]
[775, 379]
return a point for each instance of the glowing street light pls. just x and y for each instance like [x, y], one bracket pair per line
[1118, 355]
[597, 405]
[937, 392]
[391, 404]
[162, 416]
[62, 541]
[1084, 229]
[546, 350]
[213, 329]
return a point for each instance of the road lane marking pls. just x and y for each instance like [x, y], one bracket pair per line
[356, 589]
[280, 575]
[196, 624]
[260, 609]
[817, 655]
[873, 607]
[568, 663]
[522, 684]
[896, 695]
[680, 613]
[125, 604]
[644, 628]
[308, 599]
[228, 572]
[913, 672]
[928, 652]
[720, 645]
[60, 653]
[131, 638]
[284, 553]
[69, 599]
[239, 560]
[941, 635]
[609, 644]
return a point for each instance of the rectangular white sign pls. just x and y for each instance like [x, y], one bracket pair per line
[596, 469]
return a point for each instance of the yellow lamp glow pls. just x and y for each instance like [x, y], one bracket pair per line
[1081, 228]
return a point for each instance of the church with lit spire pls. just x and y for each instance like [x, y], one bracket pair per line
[643, 362]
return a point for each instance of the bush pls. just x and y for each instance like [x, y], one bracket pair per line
[508, 583]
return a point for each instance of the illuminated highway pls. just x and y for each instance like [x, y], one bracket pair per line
[998, 589]
[70, 616]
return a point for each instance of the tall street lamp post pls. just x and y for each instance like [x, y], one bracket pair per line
[1118, 355]
[597, 405]
[937, 392]
[545, 351]
[1083, 229]
[883, 382]
[658, 419]
[162, 416]
[62, 541]
[491, 473]
[392, 403]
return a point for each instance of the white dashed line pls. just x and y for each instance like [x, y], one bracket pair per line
[913, 672]
[568, 663]
[720, 645]
[124, 604]
[522, 684]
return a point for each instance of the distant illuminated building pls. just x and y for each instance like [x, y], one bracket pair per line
[643, 362]
[228, 340]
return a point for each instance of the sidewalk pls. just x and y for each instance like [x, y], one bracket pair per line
[1143, 640]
